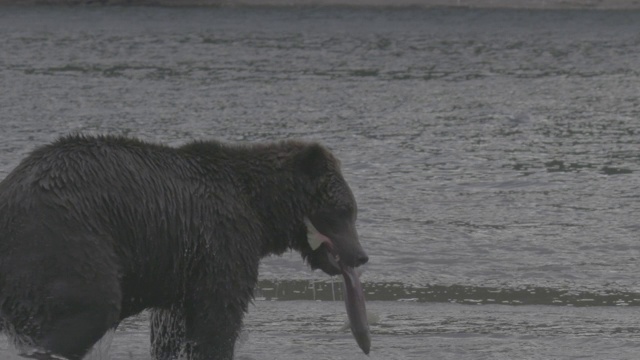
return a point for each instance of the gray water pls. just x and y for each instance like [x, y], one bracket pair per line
[494, 155]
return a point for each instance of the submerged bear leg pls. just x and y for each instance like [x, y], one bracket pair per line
[60, 307]
[68, 325]
[73, 335]
[78, 315]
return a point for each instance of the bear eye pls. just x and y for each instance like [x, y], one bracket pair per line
[346, 212]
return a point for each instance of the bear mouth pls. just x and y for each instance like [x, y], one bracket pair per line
[332, 265]
[353, 292]
[326, 253]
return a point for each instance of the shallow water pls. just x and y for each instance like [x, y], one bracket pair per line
[494, 156]
[302, 330]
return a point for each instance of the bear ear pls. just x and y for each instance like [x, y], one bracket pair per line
[313, 160]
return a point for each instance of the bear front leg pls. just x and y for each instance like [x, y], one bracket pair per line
[167, 334]
[213, 326]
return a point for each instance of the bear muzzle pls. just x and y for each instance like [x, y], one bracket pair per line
[336, 251]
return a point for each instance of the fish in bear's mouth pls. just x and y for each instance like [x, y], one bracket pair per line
[353, 294]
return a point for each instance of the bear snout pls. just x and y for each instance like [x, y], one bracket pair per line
[362, 259]
[356, 258]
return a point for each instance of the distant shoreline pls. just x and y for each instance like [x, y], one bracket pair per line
[485, 4]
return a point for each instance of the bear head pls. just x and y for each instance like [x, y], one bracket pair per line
[330, 241]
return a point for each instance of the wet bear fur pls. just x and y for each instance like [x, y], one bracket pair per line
[94, 229]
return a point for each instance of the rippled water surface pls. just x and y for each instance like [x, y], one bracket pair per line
[494, 155]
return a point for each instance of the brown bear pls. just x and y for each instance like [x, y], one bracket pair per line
[94, 229]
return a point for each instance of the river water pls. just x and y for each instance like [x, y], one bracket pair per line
[494, 155]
